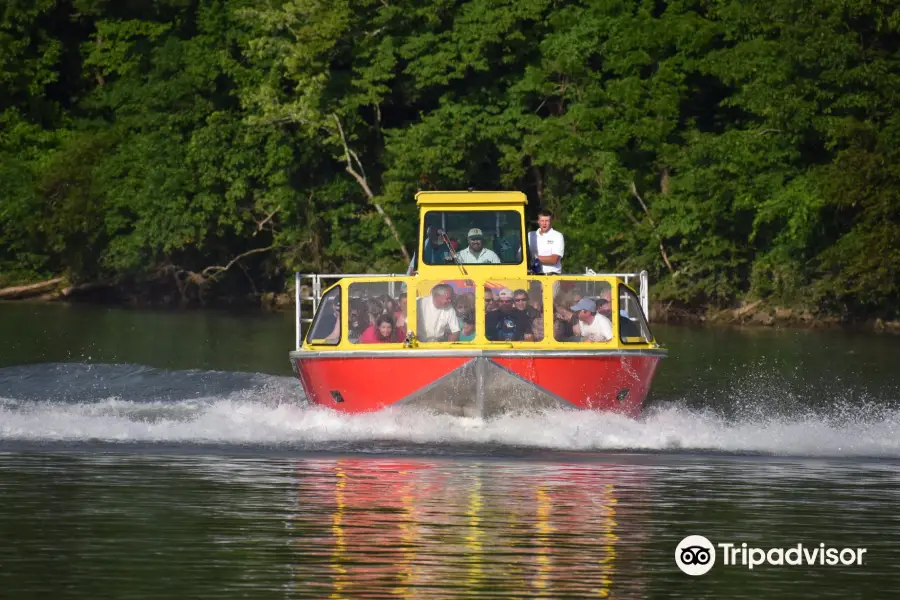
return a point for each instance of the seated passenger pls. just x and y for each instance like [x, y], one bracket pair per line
[400, 317]
[489, 304]
[476, 253]
[465, 303]
[436, 252]
[437, 321]
[520, 300]
[592, 327]
[382, 332]
[329, 326]
[508, 324]
[468, 328]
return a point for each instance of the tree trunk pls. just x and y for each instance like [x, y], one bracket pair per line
[27, 291]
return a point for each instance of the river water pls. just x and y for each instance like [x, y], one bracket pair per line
[171, 454]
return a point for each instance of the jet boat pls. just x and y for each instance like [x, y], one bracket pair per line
[474, 333]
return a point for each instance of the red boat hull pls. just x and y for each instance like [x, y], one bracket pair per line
[480, 383]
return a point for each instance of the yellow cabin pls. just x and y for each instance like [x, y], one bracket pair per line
[473, 256]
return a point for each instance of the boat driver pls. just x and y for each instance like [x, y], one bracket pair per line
[476, 253]
[507, 324]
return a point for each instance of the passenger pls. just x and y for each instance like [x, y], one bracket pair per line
[520, 301]
[381, 332]
[537, 327]
[357, 320]
[437, 321]
[388, 304]
[333, 322]
[374, 309]
[468, 328]
[400, 317]
[508, 324]
[563, 318]
[465, 303]
[604, 307]
[436, 252]
[547, 245]
[489, 304]
[476, 253]
[592, 327]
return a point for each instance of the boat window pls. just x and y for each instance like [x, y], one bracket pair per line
[445, 311]
[475, 237]
[582, 310]
[377, 312]
[514, 310]
[633, 328]
[326, 325]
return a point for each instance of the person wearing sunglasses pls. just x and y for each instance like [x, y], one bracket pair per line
[507, 324]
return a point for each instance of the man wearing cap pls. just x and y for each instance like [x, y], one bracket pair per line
[476, 253]
[547, 245]
[592, 327]
[507, 324]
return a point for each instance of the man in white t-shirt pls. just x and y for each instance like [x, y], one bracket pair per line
[436, 319]
[476, 253]
[592, 327]
[546, 244]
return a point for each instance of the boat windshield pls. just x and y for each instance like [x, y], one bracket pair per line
[476, 237]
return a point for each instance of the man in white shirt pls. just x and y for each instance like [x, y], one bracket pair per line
[476, 253]
[436, 319]
[546, 244]
[592, 327]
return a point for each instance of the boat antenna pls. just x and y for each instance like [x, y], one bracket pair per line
[452, 251]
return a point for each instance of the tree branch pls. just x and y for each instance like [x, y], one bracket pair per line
[216, 270]
[662, 248]
[261, 224]
[360, 177]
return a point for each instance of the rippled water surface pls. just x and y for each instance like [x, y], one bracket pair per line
[162, 455]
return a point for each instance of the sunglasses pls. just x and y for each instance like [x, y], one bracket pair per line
[521, 300]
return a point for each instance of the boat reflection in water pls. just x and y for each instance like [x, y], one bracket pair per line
[433, 529]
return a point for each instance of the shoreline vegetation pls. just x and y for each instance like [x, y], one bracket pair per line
[757, 313]
[171, 153]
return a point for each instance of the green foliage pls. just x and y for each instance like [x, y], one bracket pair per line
[735, 149]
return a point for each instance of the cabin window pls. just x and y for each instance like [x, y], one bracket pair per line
[326, 326]
[633, 328]
[445, 311]
[582, 310]
[514, 310]
[474, 237]
[378, 312]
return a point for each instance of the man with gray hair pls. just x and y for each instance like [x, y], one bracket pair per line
[436, 319]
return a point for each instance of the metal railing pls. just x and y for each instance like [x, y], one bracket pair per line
[315, 296]
[316, 286]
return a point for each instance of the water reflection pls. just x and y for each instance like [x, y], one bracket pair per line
[111, 524]
[427, 529]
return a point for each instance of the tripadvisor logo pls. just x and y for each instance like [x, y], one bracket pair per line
[696, 555]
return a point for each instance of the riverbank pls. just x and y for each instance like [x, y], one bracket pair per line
[756, 313]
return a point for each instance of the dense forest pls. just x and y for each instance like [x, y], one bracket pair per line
[195, 150]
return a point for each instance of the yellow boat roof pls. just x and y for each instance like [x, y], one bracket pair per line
[470, 197]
